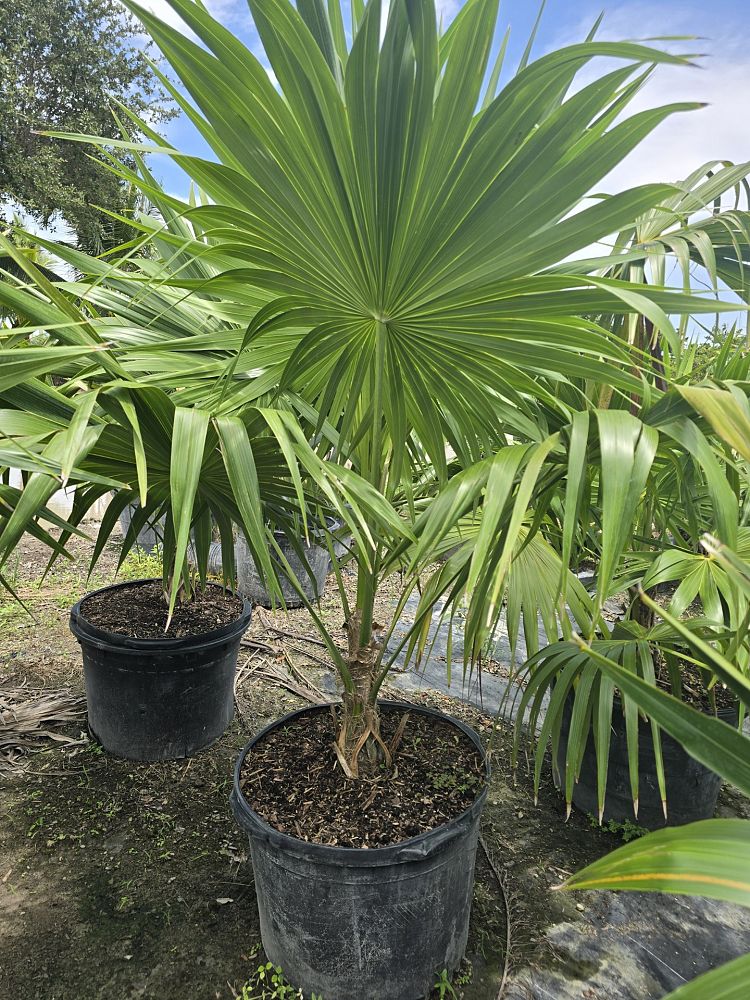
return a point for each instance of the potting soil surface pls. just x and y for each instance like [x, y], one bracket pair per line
[140, 611]
[292, 779]
[129, 880]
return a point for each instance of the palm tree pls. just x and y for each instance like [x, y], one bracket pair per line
[408, 225]
[710, 858]
[406, 217]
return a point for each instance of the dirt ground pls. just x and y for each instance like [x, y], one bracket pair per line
[123, 880]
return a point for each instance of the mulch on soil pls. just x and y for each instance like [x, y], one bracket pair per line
[292, 779]
[140, 612]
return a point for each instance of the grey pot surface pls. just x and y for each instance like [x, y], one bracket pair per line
[312, 577]
[149, 536]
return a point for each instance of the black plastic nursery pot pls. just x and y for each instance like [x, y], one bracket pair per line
[149, 536]
[317, 558]
[158, 699]
[364, 924]
[692, 788]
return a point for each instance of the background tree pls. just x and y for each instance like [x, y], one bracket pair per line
[719, 354]
[63, 64]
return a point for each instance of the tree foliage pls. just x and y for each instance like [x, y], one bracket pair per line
[63, 65]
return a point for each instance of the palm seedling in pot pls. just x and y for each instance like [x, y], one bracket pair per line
[119, 423]
[627, 497]
[405, 221]
[711, 857]
[640, 503]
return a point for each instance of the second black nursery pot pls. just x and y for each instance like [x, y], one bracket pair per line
[158, 699]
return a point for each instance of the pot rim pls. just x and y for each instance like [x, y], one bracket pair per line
[82, 629]
[420, 847]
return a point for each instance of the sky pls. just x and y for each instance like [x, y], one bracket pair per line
[719, 131]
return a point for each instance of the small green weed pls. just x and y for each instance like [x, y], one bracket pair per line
[12, 614]
[444, 987]
[137, 565]
[625, 831]
[67, 592]
[465, 977]
[450, 781]
[12, 568]
[269, 983]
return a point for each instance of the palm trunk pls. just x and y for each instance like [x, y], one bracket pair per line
[359, 746]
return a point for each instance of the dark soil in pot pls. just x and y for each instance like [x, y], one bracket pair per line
[293, 780]
[86, 854]
[151, 694]
[372, 921]
[694, 690]
[139, 610]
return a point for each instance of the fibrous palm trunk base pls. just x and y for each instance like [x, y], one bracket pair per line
[359, 719]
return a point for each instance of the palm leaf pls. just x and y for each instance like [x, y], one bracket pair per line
[710, 858]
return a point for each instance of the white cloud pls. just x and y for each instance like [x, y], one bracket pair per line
[722, 80]
[685, 141]
[165, 12]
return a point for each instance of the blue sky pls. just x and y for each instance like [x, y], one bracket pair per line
[720, 131]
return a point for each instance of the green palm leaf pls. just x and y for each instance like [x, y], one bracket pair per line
[372, 197]
[709, 858]
[728, 982]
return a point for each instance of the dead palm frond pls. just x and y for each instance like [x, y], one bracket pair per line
[33, 717]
